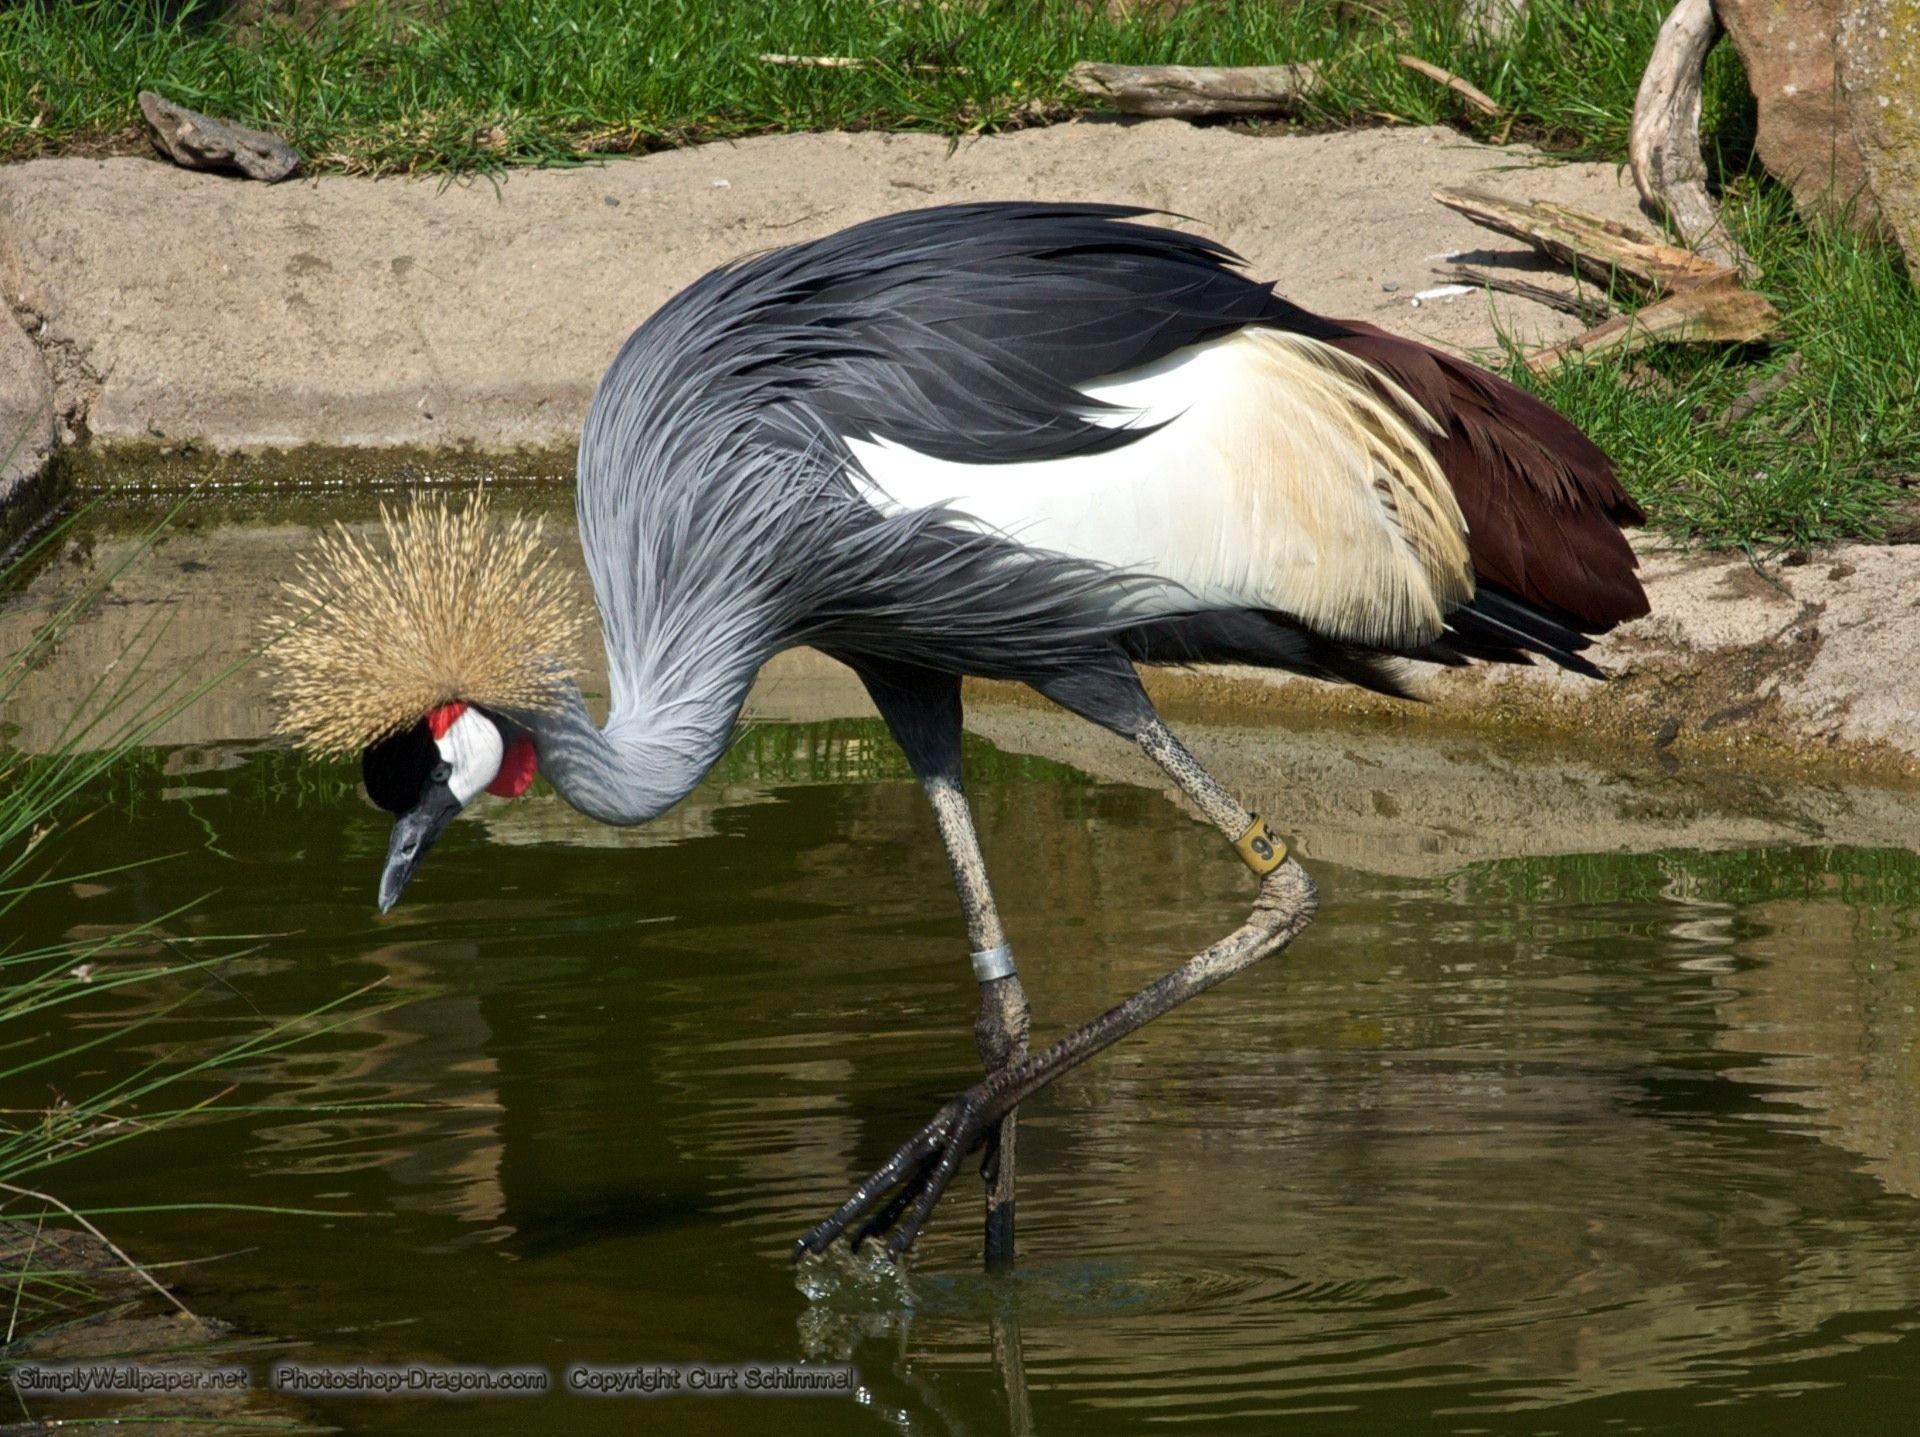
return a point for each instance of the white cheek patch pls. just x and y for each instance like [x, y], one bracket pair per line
[473, 749]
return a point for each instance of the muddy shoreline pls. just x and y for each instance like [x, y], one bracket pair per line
[102, 1312]
[1807, 668]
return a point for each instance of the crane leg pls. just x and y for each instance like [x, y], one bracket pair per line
[922, 710]
[1001, 1026]
[896, 1200]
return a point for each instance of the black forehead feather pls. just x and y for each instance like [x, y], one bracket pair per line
[395, 769]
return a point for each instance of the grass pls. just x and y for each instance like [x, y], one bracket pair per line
[472, 84]
[457, 86]
[1832, 454]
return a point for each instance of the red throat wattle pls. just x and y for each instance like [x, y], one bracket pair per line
[517, 768]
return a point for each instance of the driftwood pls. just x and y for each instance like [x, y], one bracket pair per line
[1193, 92]
[1663, 145]
[199, 142]
[1601, 249]
[1714, 314]
[1699, 301]
[1472, 94]
[1588, 308]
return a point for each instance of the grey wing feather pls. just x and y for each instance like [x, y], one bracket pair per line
[715, 505]
[964, 331]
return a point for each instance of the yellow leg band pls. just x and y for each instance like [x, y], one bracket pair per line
[1260, 848]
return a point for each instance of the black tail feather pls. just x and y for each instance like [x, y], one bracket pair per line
[1496, 624]
[1496, 627]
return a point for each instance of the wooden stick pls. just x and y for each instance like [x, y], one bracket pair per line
[1191, 91]
[1588, 308]
[1720, 314]
[1471, 93]
[1599, 248]
[849, 62]
[1663, 144]
[816, 62]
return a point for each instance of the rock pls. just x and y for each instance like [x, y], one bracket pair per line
[200, 142]
[1805, 134]
[1837, 83]
[1812, 659]
[355, 314]
[28, 435]
[1879, 44]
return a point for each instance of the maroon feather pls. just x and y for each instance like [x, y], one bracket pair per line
[1544, 511]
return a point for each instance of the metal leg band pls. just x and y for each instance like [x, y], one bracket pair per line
[990, 964]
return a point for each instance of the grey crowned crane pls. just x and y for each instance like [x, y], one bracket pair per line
[1031, 442]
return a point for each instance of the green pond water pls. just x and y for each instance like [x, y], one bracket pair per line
[1513, 1141]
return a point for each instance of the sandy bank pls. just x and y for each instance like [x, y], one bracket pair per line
[1815, 662]
[185, 314]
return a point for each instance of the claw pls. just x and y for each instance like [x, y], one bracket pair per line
[935, 1184]
[906, 1187]
[883, 1221]
[890, 1173]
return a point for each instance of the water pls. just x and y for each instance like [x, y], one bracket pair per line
[1588, 1105]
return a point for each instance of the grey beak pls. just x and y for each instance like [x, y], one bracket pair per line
[413, 834]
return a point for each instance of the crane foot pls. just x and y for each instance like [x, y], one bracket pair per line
[899, 1196]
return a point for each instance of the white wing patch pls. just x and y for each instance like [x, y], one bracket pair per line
[1280, 479]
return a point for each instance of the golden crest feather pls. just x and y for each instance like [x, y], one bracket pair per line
[457, 608]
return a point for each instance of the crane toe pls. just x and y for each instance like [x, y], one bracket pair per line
[901, 1193]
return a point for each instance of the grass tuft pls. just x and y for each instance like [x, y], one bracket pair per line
[127, 1086]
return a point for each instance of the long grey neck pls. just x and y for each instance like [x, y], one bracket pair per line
[652, 752]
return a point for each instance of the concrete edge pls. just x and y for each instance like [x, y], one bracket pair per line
[33, 478]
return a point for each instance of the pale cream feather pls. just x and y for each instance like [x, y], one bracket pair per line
[1286, 475]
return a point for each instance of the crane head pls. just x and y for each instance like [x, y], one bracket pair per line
[411, 651]
[424, 776]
